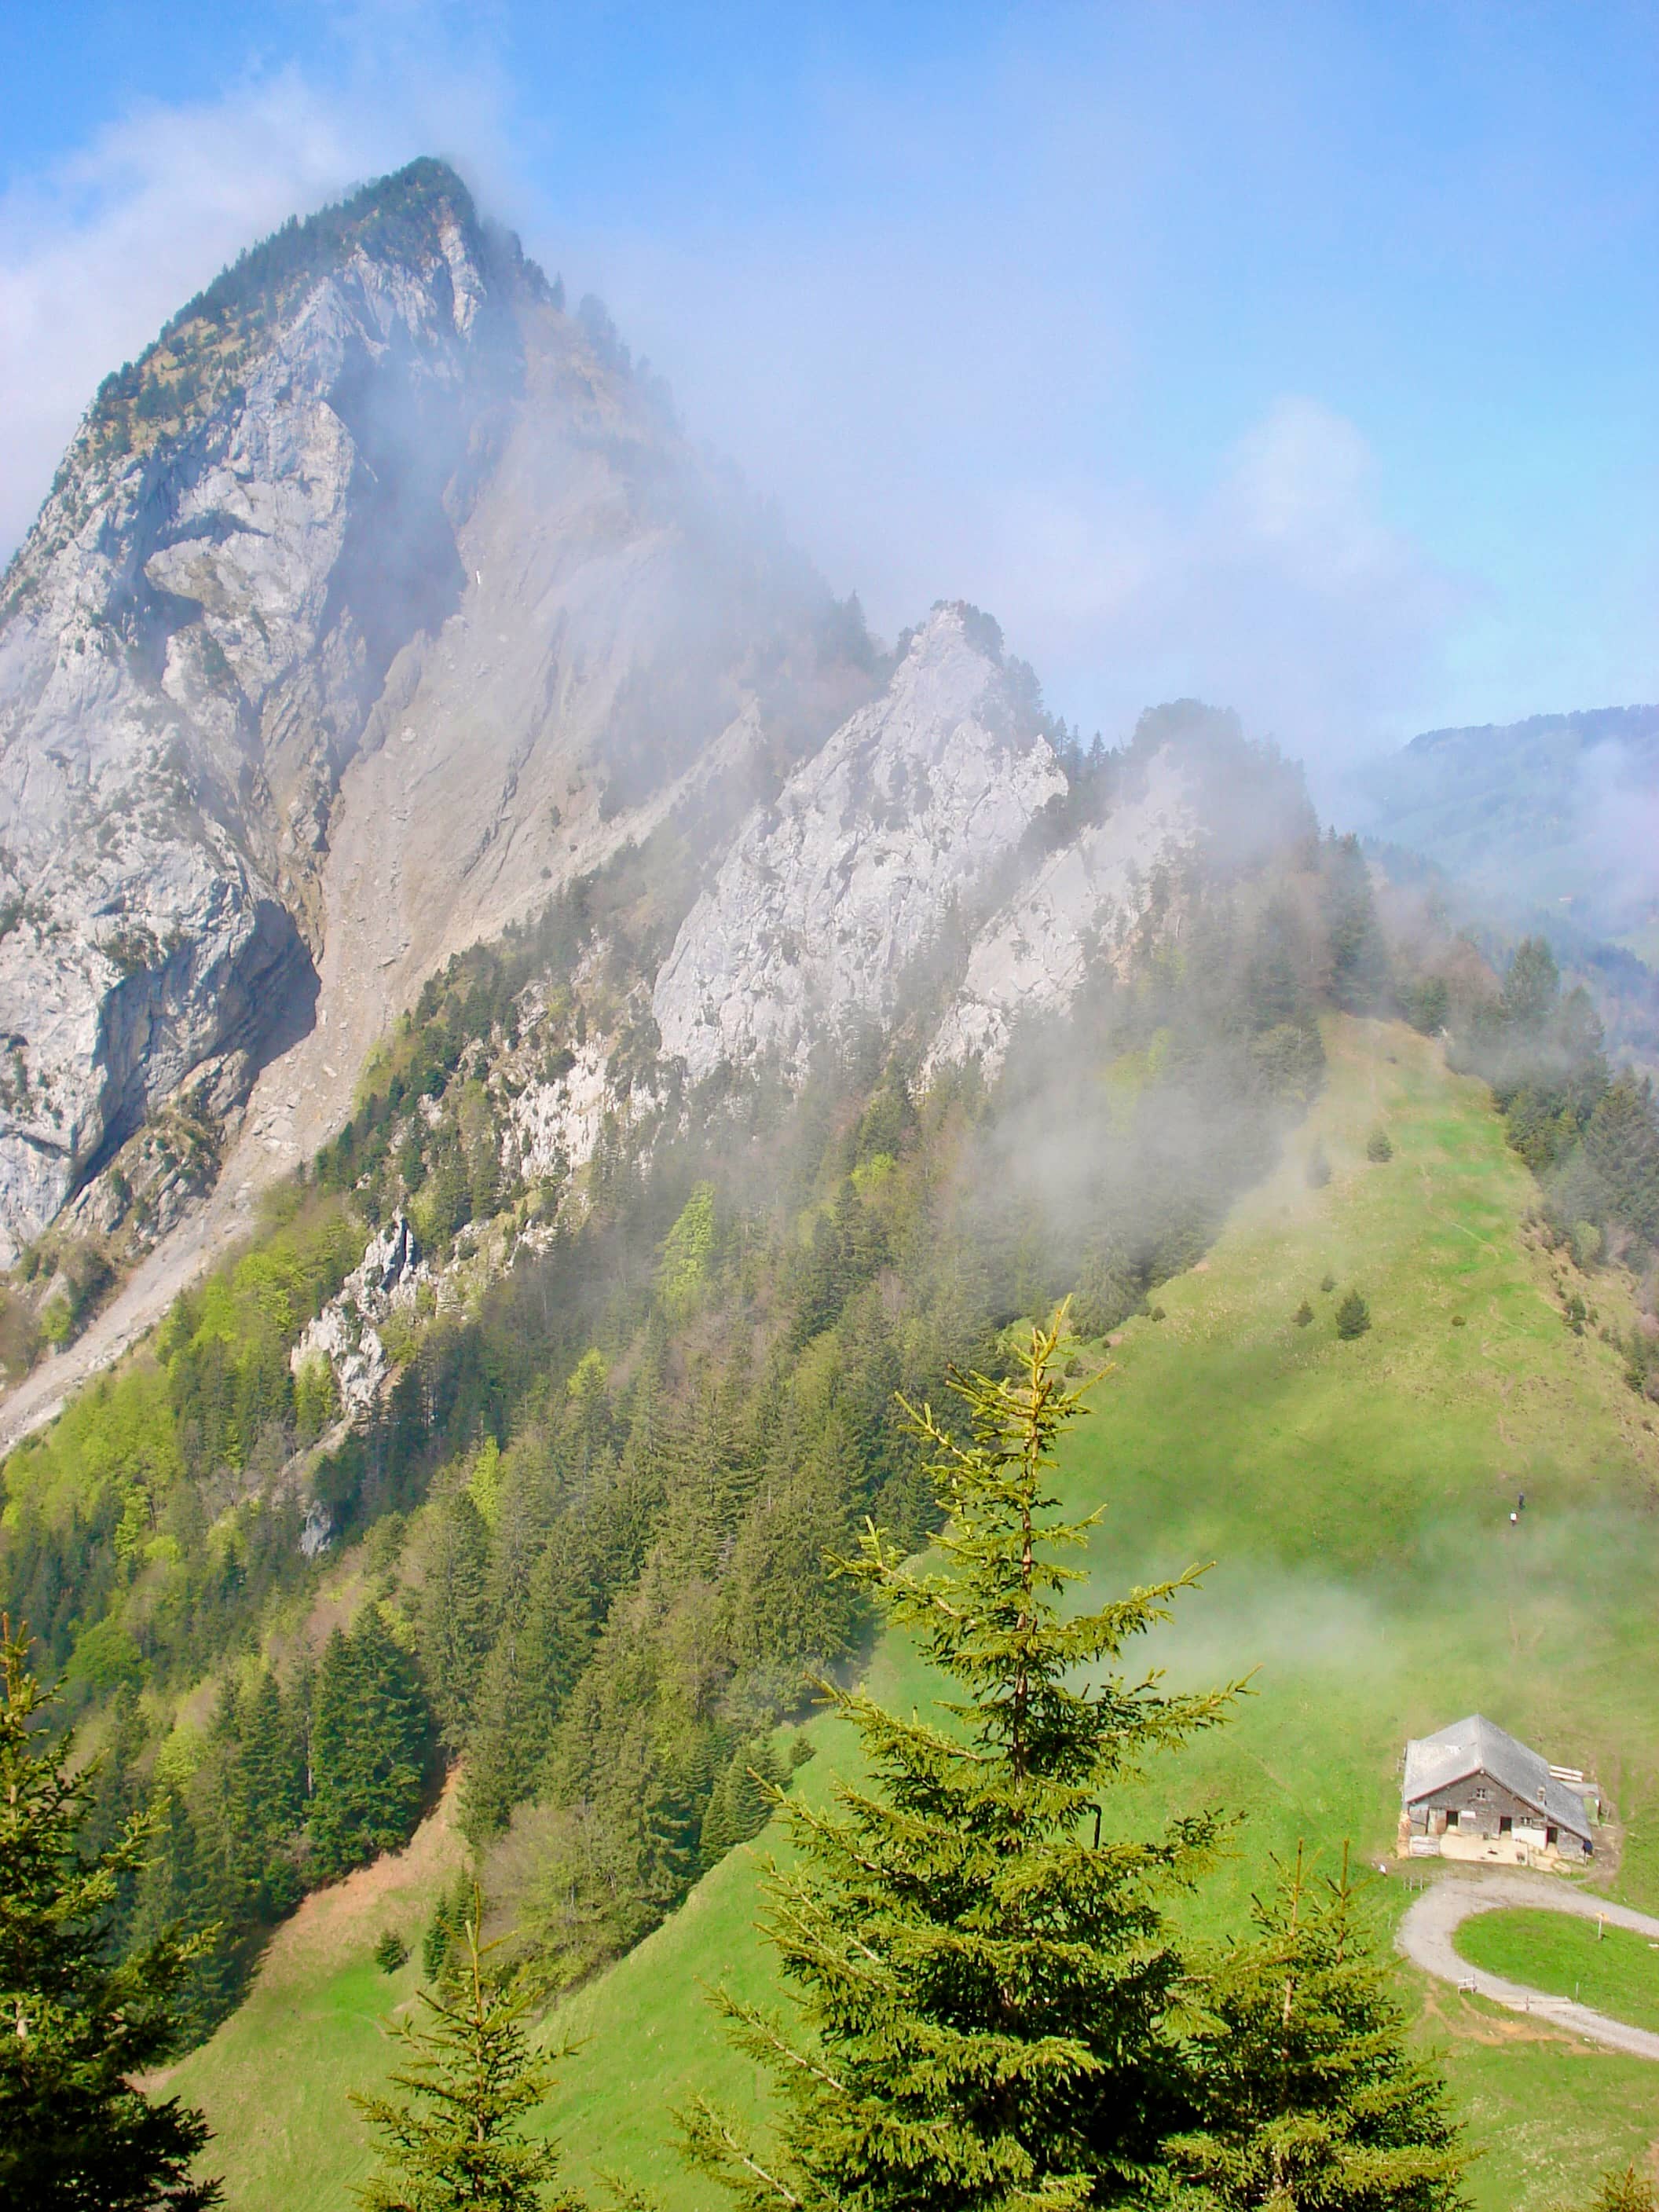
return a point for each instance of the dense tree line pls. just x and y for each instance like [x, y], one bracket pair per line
[289, 1785]
[1591, 1135]
[79, 2026]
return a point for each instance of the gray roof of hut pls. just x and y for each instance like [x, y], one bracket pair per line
[1476, 1746]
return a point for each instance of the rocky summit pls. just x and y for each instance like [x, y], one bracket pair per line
[380, 592]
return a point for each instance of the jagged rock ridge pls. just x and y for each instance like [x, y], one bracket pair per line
[827, 894]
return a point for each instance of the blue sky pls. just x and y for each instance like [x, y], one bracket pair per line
[1302, 357]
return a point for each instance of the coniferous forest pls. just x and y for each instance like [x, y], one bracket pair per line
[992, 2006]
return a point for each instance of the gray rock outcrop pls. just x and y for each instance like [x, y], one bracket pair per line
[381, 599]
[1091, 896]
[196, 628]
[826, 895]
[347, 1332]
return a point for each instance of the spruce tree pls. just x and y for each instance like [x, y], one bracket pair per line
[508, 1742]
[443, 1945]
[457, 2137]
[186, 1890]
[370, 1748]
[1353, 1317]
[265, 1800]
[74, 2029]
[983, 1972]
[1359, 951]
[1310, 2095]
[454, 1614]
[740, 1804]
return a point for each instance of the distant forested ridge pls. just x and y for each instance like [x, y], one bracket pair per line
[1590, 1134]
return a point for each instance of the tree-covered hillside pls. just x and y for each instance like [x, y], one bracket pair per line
[587, 1469]
[1355, 1496]
[591, 1502]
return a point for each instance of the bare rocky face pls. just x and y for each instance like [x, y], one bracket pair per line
[387, 497]
[826, 895]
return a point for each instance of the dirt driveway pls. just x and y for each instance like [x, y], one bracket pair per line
[1425, 1937]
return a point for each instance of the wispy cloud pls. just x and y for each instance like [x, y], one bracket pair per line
[1114, 324]
[97, 254]
[925, 440]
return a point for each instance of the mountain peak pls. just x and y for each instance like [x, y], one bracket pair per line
[371, 486]
[420, 220]
[413, 237]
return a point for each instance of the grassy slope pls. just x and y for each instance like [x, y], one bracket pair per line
[1616, 1971]
[275, 2077]
[1357, 1498]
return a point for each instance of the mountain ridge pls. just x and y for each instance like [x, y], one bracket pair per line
[377, 602]
[1554, 811]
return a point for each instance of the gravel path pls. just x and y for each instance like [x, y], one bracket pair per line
[1425, 1937]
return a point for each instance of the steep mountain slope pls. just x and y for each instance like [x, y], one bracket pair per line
[382, 601]
[372, 600]
[1356, 1496]
[826, 897]
[1034, 951]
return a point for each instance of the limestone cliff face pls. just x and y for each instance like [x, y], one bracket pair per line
[1090, 897]
[828, 894]
[378, 596]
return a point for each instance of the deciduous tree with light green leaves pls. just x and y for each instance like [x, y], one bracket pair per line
[985, 1980]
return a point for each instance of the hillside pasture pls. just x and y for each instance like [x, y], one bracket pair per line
[1614, 1970]
[1355, 1496]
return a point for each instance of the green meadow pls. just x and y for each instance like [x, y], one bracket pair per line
[1355, 1499]
[1617, 1971]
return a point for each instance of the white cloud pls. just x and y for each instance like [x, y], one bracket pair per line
[1288, 596]
[1277, 589]
[963, 424]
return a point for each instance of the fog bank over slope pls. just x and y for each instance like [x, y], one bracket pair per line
[1557, 814]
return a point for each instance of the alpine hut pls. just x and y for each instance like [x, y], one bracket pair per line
[1471, 1791]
